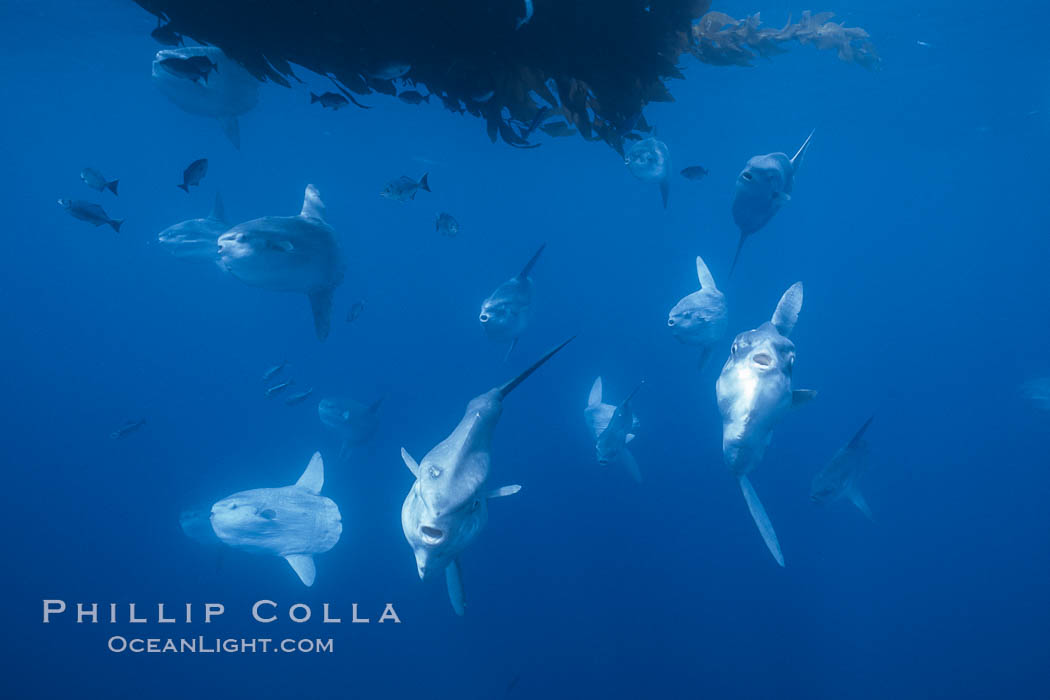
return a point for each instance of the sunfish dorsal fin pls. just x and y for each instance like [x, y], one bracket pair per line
[796, 160]
[531, 263]
[786, 315]
[856, 441]
[595, 397]
[513, 383]
[412, 465]
[313, 207]
[218, 212]
[704, 275]
[313, 478]
[303, 565]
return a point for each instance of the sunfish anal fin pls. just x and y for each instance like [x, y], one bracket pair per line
[303, 565]
[857, 498]
[758, 514]
[232, 129]
[454, 580]
[321, 305]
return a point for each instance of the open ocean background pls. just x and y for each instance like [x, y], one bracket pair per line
[918, 225]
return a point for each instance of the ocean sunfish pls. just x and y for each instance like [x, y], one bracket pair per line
[754, 393]
[288, 254]
[447, 506]
[294, 522]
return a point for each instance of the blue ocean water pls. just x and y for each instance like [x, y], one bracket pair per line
[918, 226]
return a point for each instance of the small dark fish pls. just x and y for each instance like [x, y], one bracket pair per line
[165, 35]
[404, 188]
[194, 68]
[97, 181]
[193, 174]
[89, 212]
[446, 225]
[694, 172]
[329, 100]
[127, 429]
[295, 399]
[355, 311]
[413, 97]
[273, 371]
[278, 388]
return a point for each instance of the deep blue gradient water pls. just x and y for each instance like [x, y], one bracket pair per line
[918, 225]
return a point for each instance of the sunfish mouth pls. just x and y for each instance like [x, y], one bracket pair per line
[763, 359]
[484, 318]
[431, 535]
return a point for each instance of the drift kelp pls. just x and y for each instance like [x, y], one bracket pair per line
[515, 64]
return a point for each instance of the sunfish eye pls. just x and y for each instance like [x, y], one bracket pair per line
[233, 506]
[269, 514]
[434, 472]
[746, 176]
[476, 504]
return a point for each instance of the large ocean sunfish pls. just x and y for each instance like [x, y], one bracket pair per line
[294, 522]
[226, 92]
[612, 428]
[288, 254]
[762, 187]
[447, 506]
[700, 319]
[754, 394]
[506, 313]
[839, 478]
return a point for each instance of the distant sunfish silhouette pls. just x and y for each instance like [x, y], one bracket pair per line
[197, 239]
[700, 318]
[294, 522]
[506, 313]
[839, 477]
[754, 393]
[762, 187]
[354, 422]
[612, 427]
[228, 92]
[288, 254]
[447, 506]
[649, 160]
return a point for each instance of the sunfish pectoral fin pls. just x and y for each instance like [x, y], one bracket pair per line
[313, 478]
[321, 305]
[800, 397]
[665, 190]
[786, 314]
[857, 498]
[796, 161]
[412, 465]
[303, 565]
[232, 129]
[704, 275]
[595, 397]
[630, 464]
[454, 581]
[503, 491]
[628, 438]
[313, 206]
[758, 514]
